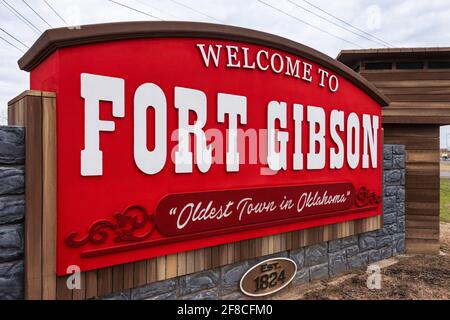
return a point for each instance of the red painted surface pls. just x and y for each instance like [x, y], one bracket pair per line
[192, 213]
[83, 201]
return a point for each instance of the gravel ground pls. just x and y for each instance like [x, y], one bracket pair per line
[405, 277]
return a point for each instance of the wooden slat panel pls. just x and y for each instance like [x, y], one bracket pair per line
[398, 114]
[422, 195]
[419, 97]
[160, 268]
[419, 246]
[151, 270]
[190, 262]
[420, 233]
[271, 241]
[283, 241]
[422, 169]
[302, 240]
[424, 174]
[207, 262]
[215, 257]
[424, 218]
[91, 284]
[171, 266]
[311, 236]
[277, 243]
[244, 250]
[140, 273]
[416, 91]
[128, 276]
[181, 264]
[295, 240]
[415, 119]
[104, 284]
[252, 246]
[12, 119]
[421, 224]
[237, 251]
[264, 247]
[289, 244]
[49, 202]
[27, 111]
[230, 253]
[327, 232]
[412, 84]
[62, 292]
[411, 143]
[423, 156]
[422, 181]
[359, 227]
[402, 76]
[118, 278]
[415, 112]
[33, 198]
[419, 105]
[411, 130]
[422, 208]
[223, 255]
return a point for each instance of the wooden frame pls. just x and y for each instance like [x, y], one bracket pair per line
[37, 112]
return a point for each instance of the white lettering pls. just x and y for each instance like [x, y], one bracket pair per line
[95, 88]
[191, 100]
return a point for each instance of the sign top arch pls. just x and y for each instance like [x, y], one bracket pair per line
[54, 39]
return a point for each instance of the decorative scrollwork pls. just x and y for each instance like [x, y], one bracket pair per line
[126, 227]
[365, 198]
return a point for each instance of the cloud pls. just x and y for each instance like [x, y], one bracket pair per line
[403, 23]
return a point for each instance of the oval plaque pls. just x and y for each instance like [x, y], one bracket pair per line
[268, 277]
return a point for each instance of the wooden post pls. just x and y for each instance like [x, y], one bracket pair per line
[36, 111]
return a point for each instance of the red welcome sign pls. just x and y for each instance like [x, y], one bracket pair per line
[178, 136]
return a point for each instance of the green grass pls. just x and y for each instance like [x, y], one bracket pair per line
[445, 199]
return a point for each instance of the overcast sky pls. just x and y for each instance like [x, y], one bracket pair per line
[409, 23]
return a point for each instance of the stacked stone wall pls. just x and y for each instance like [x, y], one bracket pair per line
[12, 209]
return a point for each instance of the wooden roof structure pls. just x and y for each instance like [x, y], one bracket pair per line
[416, 80]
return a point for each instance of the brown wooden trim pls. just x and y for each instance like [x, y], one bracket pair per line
[104, 281]
[412, 84]
[420, 75]
[151, 270]
[27, 111]
[49, 198]
[416, 119]
[421, 246]
[54, 39]
[118, 278]
[349, 57]
[91, 284]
